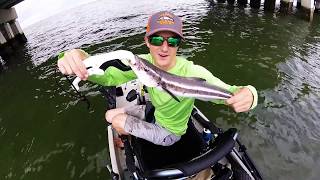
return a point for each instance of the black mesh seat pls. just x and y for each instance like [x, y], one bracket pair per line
[151, 156]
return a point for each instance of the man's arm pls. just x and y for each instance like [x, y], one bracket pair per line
[70, 62]
[244, 97]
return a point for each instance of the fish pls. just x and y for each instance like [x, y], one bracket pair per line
[152, 76]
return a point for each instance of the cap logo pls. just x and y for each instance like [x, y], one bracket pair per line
[148, 26]
[165, 19]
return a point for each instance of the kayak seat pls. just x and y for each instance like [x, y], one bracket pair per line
[151, 156]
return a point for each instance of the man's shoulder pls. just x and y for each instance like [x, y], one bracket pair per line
[188, 63]
[147, 57]
[182, 58]
[191, 69]
[182, 61]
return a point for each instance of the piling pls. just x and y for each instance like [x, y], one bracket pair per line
[269, 5]
[298, 4]
[307, 8]
[286, 6]
[317, 6]
[221, 1]
[11, 34]
[231, 2]
[242, 2]
[255, 4]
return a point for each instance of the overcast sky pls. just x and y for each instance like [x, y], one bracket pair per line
[31, 11]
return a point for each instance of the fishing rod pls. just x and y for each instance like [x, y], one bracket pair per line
[96, 65]
[78, 94]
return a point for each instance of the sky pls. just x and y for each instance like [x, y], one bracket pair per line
[32, 11]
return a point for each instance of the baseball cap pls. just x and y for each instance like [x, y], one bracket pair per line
[164, 21]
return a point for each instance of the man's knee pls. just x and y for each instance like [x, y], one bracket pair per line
[118, 122]
[110, 114]
[169, 140]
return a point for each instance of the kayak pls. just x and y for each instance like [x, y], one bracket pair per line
[204, 152]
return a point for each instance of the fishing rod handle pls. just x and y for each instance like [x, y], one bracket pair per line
[94, 63]
[97, 60]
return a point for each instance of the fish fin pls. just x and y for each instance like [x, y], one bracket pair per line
[169, 92]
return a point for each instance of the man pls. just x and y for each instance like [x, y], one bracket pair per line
[163, 37]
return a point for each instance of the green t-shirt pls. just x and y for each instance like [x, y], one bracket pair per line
[169, 113]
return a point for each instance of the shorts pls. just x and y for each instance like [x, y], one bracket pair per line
[137, 126]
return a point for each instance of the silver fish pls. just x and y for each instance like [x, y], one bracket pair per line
[151, 76]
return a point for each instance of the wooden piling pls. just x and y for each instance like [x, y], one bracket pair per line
[269, 5]
[317, 6]
[298, 4]
[255, 4]
[286, 7]
[230, 2]
[242, 2]
[221, 1]
[307, 9]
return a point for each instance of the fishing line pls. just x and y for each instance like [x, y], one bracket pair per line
[78, 94]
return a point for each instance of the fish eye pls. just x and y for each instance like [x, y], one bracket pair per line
[130, 62]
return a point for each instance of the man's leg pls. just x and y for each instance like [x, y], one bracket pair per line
[136, 110]
[110, 114]
[149, 131]
[118, 116]
[128, 121]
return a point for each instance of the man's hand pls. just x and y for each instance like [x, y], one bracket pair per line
[241, 101]
[72, 63]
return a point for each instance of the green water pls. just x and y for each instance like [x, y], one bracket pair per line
[47, 134]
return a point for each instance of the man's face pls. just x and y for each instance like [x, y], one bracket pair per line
[164, 55]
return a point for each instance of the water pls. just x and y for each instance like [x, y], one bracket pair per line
[47, 134]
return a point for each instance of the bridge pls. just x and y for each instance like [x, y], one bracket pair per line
[6, 4]
[11, 33]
